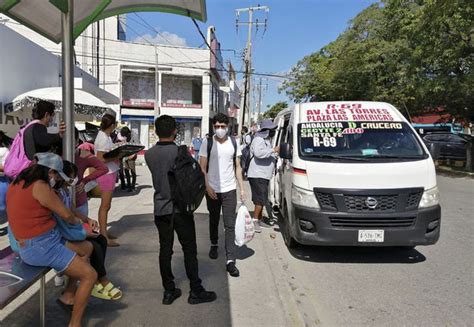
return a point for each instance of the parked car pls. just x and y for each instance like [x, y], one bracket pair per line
[451, 146]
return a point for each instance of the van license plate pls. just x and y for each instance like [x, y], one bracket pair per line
[375, 236]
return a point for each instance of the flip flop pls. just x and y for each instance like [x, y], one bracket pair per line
[112, 243]
[112, 236]
[113, 292]
[99, 292]
[66, 307]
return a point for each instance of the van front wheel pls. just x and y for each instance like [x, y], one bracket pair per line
[289, 240]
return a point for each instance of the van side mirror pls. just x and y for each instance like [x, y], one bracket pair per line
[285, 151]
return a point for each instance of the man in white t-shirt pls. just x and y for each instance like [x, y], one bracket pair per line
[221, 165]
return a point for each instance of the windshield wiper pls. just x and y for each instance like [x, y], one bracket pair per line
[387, 156]
[330, 156]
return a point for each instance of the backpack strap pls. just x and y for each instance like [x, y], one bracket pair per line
[210, 141]
[234, 143]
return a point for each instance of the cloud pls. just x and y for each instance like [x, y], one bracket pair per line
[165, 38]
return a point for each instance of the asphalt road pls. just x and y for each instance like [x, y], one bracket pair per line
[309, 286]
[427, 286]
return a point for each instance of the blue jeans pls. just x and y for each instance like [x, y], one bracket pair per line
[47, 250]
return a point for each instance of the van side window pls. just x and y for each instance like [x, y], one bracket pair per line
[284, 132]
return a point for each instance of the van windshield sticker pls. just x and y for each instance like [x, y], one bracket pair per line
[329, 134]
[348, 112]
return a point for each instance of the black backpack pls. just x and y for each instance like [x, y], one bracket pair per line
[210, 142]
[187, 182]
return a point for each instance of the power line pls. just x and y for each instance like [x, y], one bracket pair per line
[207, 43]
[178, 66]
[151, 28]
[143, 38]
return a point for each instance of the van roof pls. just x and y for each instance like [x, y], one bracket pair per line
[349, 111]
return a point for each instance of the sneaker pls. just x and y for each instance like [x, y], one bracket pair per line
[265, 222]
[201, 296]
[256, 226]
[213, 252]
[232, 269]
[170, 296]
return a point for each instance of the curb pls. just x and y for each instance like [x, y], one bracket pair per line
[453, 173]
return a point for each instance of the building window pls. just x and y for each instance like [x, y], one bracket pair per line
[138, 89]
[181, 91]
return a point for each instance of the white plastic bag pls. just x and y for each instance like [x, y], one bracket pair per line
[244, 228]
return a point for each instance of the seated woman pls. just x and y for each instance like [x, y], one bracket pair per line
[31, 202]
[103, 288]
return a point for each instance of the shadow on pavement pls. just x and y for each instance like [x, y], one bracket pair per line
[354, 254]
[134, 268]
[119, 193]
[357, 254]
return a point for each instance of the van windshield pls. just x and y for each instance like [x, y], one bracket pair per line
[359, 141]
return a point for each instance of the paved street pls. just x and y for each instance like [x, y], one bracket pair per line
[428, 286]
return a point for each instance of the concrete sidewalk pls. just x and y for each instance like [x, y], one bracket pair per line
[262, 296]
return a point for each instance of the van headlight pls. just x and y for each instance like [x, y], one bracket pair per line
[303, 198]
[430, 198]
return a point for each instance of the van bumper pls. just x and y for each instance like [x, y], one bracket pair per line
[424, 231]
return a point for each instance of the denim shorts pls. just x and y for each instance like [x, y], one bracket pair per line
[47, 250]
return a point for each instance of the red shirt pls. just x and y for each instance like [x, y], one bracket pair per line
[26, 216]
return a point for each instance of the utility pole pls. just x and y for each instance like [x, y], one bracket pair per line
[248, 54]
[260, 87]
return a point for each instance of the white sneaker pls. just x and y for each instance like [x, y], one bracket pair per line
[256, 226]
[58, 280]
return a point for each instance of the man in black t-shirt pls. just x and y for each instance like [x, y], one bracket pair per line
[160, 160]
[36, 138]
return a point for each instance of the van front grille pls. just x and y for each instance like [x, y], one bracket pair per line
[326, 200]
[414, 200]
[359, 202]
[367, 222]
[381, 201]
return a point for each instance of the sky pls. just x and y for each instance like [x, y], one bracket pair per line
[296, 28]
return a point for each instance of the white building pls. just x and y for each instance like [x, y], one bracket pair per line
[187, 82]
[20, 73]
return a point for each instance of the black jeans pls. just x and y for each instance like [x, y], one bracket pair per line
[186, 231]
[97, 258]
[125, 176]
[228, 203]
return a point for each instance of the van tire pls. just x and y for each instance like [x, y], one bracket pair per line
[286, 233]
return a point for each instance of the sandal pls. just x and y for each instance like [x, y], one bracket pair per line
[99, 292]
[112, 243]
[113, 292]
[66, 307]
[112, 236]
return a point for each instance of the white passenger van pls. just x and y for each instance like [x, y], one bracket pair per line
[354, 173]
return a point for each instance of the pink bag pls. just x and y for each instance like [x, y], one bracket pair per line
[16, 161]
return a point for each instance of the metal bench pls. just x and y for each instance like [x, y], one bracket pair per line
[16, 277]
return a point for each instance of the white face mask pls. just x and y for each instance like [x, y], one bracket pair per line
[52, 182]
[221, 132]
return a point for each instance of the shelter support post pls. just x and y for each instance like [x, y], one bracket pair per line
[67, 21]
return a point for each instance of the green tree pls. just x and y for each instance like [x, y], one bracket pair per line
[416, 54]
[275, 109]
